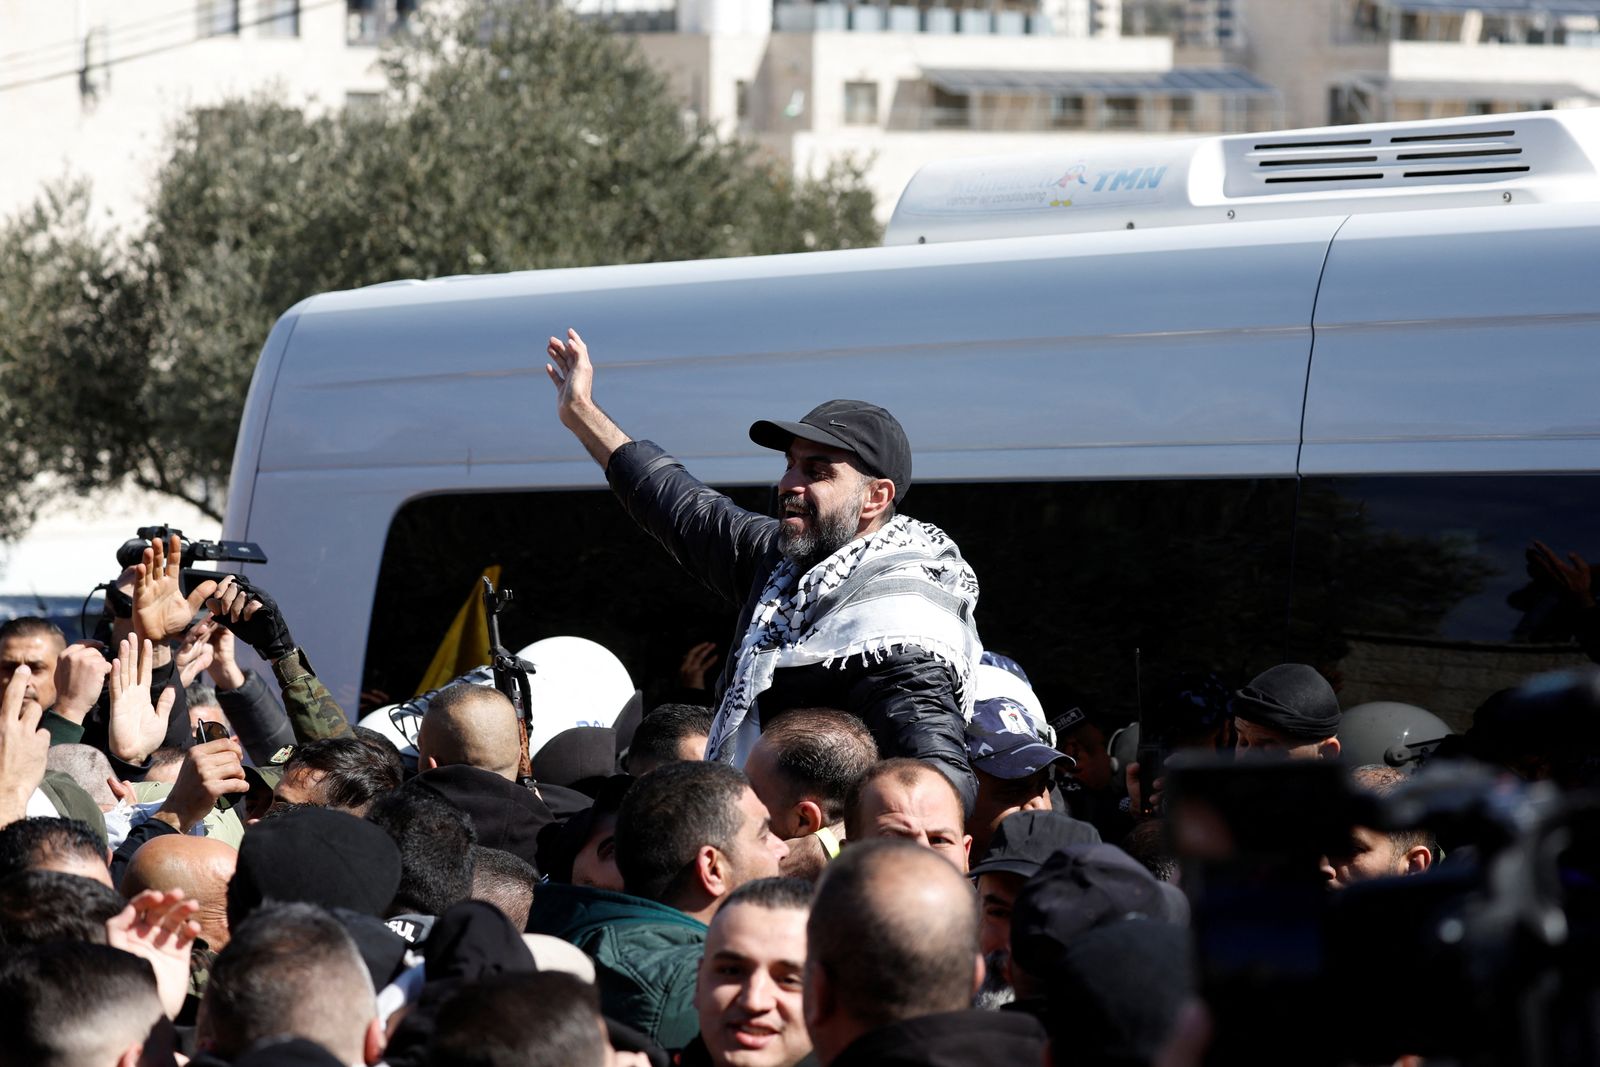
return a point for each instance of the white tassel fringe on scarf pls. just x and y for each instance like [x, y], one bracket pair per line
[902, 586]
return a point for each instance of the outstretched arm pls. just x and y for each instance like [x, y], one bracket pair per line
[256, 619]
[569, 368]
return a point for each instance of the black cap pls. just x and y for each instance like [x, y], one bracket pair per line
[575, 756]
[1025, 839]
[317, 856]
[1078, 889]
[867, 431]
[1293, 699]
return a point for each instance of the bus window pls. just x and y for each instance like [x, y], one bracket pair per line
[1431, 591]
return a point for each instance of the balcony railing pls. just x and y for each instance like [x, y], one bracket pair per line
[818, 18]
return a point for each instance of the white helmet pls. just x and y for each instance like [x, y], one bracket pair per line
[399, 723]
[578, 683]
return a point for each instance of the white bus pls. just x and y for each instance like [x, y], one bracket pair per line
[1302, 395]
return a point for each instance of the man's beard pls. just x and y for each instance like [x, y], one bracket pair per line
[821, 537]
[995, 992]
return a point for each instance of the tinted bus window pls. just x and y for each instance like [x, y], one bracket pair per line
[1425, 589]
[1074, 577]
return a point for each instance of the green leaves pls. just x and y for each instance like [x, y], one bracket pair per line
[510, 137]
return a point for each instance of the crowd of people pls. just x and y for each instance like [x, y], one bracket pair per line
[872, 845]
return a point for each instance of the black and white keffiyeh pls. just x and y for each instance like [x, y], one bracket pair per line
[904, 585]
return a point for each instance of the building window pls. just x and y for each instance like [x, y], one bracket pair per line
[1122, 113]
[1182, 108]
[280, 18]
[741, 100]
[372, 21]
[951, 110]
[860, 103]
[1068, 112]
[219, 18]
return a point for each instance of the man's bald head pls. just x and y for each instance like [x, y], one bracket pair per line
[200, 866]
[893, 935]
[471, 724]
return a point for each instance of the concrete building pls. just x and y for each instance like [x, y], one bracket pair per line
[1342, 61]
[91, 88]
[894, 87]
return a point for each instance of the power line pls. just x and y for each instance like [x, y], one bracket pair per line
[157, 49]
[139, 27]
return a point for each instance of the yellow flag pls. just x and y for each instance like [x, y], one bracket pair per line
[466, 643]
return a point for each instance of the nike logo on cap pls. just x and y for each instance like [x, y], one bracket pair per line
[836, 422]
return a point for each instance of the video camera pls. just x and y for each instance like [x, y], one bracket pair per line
[1486, 958]
[193, 551]
[132, 551]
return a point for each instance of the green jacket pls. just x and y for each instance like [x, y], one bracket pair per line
[646, 955]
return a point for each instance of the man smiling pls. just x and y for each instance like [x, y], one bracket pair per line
[844, 603]
[751, 984]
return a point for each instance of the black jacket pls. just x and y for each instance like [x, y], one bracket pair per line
[954, 1039]
[908, 700]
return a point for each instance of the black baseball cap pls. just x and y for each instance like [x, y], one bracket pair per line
[865, 430]
[1024, 840]
[1080, 888]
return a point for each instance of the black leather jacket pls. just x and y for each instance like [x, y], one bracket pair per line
[908, 700]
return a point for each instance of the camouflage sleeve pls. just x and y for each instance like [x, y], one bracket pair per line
[313, 712]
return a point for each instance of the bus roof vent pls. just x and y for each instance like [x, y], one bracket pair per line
[1541, 157]
[1410, 155]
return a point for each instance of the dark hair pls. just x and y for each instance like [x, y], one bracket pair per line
[39, 906]
[904, 770]
[32, 626]
[1147, 843]
[822, 754]
[354, 774]
[281, 808]
[548, 1019]
[289, 969]
[504, 880]
[657, 736]
[165, 756]
[1381, 780]
[30, 842]
[772, 894]
[435, 840]
[383, 747]
[888, 962]
[58, 995]
[667, 816]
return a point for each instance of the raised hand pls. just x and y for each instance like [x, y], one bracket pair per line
[1574, 579]
[697, 663]
[209, 772]
[226, 674]
[569, 368]
[196, 652]
[158, 927]
[80, 677]
[137, 726]
[573, 376]
[253, 616]
[23, 747]
[160, 610]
